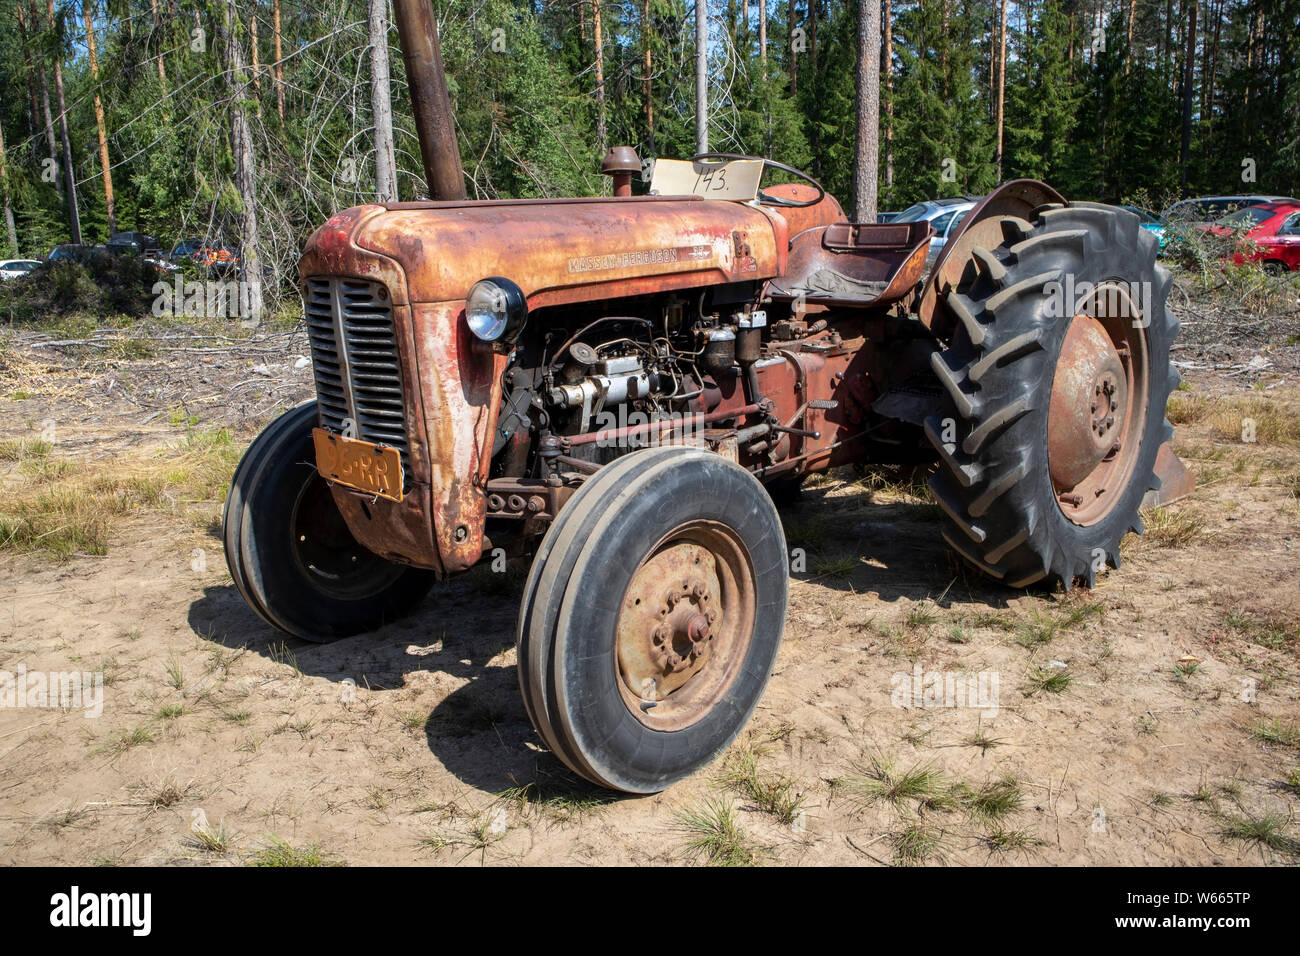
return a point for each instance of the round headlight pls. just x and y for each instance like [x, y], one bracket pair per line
[495, 310]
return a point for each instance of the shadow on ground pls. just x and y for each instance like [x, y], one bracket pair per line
[480, 731]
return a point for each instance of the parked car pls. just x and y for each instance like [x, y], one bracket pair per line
[1204, 210]
[185, 249]
[17, 268]
[1150, 221]
[133, 242]
[943, 215]
[71, 252]
[217, 257]
[886, 217]
[1268, 233]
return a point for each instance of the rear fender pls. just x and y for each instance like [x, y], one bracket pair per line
[982, 226]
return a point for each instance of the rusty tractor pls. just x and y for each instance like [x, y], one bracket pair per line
[620, 386]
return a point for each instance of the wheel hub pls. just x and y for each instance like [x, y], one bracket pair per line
[682, 640]
[1089, 404]
[670, 612]
[684, 621]
[1098, 411]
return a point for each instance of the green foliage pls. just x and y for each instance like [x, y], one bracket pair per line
[1098, 123]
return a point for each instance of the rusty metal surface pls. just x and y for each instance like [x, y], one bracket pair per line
[980, 227]
[890, 257]
[1083, 424]
[1176, 482]
[684, 625]
[798, 218]
[417, 30]
[565, 251]
[1099, 407]
[827, 366]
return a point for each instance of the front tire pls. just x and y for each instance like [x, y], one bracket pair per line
[290, 552]
[1057, 395]
[652, 618]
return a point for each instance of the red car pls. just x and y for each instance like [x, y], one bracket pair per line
[1269, 233]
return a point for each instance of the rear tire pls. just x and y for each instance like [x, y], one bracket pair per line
[289, 550]
[627, 675]
[1038, 479]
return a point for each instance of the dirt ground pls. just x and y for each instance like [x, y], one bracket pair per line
[1152, 720]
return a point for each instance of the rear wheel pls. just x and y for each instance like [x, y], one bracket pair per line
[290, 552]
[1059, 374]
[652, 617]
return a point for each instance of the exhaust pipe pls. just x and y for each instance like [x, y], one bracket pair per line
[417, 31]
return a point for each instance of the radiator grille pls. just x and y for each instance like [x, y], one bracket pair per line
[354, 357]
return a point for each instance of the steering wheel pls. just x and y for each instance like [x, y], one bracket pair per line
[767, 198]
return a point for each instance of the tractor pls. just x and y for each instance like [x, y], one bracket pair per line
[622, 387]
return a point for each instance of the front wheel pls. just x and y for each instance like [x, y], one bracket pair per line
[290, 552]
[652, 617]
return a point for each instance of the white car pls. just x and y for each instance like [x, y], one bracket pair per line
[16, 268]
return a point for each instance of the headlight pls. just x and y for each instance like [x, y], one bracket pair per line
[495, 310]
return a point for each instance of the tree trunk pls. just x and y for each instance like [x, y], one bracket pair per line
[1189, 66]
[889, 98]
[1214, 60]
[10, 231]
[812, 34]
[162, 70]
[601, 131]
[866, 154]
[1169, 33]
[1205, 56]
[1128, 52]
[648, 86]
[762, 35]
[701, 77]
[31, 70]
[51, 144]
[279, 67]
[107, 170]
[69, 173]
[1002, 82]
[252, 47]
[791, 26]
[381, 103]
[241, 147]
[943, 50]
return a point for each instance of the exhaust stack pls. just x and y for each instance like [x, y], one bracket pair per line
[417, 31]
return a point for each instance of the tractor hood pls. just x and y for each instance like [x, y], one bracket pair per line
[557, 250]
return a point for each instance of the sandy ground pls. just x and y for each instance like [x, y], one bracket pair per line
[220, 738]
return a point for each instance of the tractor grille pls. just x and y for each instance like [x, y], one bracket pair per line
[354, 356]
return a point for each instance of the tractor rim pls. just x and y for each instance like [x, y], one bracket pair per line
[325, 551]
[684, 625]
[1098, 410]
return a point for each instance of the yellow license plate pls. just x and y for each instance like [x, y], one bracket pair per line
[375, 469]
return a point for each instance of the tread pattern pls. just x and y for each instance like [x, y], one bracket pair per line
[992, 481]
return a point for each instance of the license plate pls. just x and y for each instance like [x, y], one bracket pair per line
[375, 469]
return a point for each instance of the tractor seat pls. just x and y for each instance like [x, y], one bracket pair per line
[853, 264]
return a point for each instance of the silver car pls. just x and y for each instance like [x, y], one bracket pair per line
[943, 215]
[16, 268]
